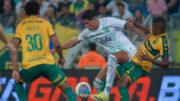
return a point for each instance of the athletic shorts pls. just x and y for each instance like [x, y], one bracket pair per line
[131, 53]
[52, 72]
[132, 70]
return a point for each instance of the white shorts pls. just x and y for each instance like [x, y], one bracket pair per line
[131, 53]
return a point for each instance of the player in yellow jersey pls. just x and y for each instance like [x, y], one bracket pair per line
[34, 34]
[157, 45]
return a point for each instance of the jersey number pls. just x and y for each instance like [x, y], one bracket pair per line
[33, 42]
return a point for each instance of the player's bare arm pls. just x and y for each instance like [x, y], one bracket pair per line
[58, 49]
[68, 44]
[14, 57]
[4, 39]
[136, 24]
[164, 63]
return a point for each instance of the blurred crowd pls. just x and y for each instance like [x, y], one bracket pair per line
[68, 12]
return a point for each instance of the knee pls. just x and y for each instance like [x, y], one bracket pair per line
[124, 82]
[112, 59]
[64, 86]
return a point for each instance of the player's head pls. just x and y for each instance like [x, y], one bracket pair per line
[121, 8]
[92, 46]
[158, 26]
[90, 20]
[32, 8]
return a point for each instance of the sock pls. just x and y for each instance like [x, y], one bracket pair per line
[22, 94]
[111, 73]
[103, 85]
[124, 94]
[98, 85]
[71, 96]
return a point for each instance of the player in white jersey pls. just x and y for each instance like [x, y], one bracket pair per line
[107, 33]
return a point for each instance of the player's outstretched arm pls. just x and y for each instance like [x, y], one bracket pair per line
[58, 49]
[67, 44]
[14, 57]
[3, 37]
[164, 63]
[136, 24]
[70, 43]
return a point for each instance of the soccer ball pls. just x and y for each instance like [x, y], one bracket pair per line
[83, 89]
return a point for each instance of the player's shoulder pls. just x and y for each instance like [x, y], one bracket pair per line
[163, 38]
[43, 20]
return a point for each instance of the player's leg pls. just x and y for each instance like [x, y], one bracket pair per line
[58, 78]
[66, 88]
[26, 75]
[123, 85]
[113, 60]
[99, 80]
[128, 74]
[22, 94]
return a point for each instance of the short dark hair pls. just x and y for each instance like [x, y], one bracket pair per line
[121, 4]
[160, 22]
[32, 8]
[92, 46]
[89, 15]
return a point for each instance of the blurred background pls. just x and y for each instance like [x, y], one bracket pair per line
[85, 59]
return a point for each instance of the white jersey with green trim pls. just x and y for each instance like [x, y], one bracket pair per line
[109, 35]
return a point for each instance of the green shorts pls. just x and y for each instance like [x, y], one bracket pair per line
[132, 70]
[52, 72]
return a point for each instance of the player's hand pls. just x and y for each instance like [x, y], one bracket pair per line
[147, 37]
[145, 56]
[61, 61]
[15, 76]
[11, 47]
[131, 21]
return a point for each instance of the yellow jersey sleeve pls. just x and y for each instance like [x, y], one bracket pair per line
[164, 46]
[18, 33]
[50, 30]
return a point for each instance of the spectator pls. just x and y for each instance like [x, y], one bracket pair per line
[78, 6]
[43, 7]
[139, 17]
[157, 7]
[1, 7]
[50, 15]
[91, 6]
[66, 19]
[173, 6]
[54, 3]
[92, 58]
[66, 3]
[12, 4]
[122, 13]
[8, 18]
[113, 6]
[19, 6]
[100, 3]
[102, 11]
[21, 15]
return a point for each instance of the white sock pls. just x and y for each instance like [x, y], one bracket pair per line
[111, 73]
[98, 85]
